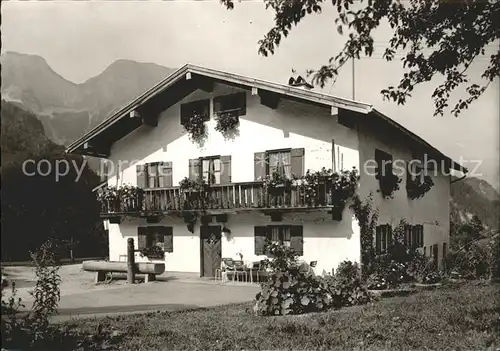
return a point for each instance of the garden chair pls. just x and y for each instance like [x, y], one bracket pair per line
[227, 265]
[261, 271]
[239, 271]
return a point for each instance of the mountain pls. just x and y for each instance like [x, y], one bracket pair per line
[475, 196]
[23, 135]
[68, 110]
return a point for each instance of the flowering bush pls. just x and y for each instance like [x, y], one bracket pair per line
[227, 124]
[291, 290]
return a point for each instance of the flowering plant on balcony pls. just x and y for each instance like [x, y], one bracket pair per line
[196, 129]
[227, 123]
[189, 185]
[122, 198]
[343, 186]
[340, 186]
[418, 187]
[277, 184]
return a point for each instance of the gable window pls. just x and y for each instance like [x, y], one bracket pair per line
[287, 235]
[155, 236]
[154, 175]
[211, 169]
[232, 103]
[383, 238]
[384, 164]
[199, 107]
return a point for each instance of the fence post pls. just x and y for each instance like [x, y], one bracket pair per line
[130, 261]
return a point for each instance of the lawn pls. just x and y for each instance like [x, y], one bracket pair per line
[465, 317]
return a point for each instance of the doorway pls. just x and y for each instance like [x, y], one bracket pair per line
[211, 249]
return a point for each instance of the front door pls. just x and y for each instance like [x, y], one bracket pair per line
[211, 249]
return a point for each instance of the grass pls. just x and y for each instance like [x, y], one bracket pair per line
[462, 317]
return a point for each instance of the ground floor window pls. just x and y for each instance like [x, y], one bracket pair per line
[383, 238]
[156, 236]
[288, 235]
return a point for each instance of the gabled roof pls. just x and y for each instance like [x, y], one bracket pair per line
[119, 123]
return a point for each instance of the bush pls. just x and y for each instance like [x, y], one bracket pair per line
[347, 287]
[290, 290]
[470, 262]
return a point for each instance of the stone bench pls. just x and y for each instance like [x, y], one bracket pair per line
[101, 268]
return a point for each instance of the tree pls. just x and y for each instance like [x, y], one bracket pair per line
[439, 37]
[466, 233]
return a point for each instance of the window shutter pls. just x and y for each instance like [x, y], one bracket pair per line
[378, 239]
[260, 233]
[259, 166]
[389, 234]
[297, 161]
[194, 169]
[168, 239]
[383, 234]
[415, 233]
[142, 237]
[165, 174]
[225, 175]
[141, 176]
[297, 239]
[407, 235]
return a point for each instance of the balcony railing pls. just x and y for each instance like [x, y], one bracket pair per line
[249, 195]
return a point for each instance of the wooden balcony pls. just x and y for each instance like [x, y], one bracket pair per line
[218, 198]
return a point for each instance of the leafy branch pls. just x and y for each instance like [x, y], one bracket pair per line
[437, 38]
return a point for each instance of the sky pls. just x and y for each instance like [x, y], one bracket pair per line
[79, 39]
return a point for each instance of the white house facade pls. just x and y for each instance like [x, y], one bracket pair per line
[282, 126]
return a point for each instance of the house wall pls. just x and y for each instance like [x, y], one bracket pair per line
[292, 125]
[326, 241]
[432, 210]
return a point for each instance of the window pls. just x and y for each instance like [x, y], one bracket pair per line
[234, 103]
[384, 164]
[155, 236]
[279, 161]
[154, 175]
[280, 235]
[414, 236]
[288, 235]
[383, 238]
[211, 170]
[200, 107]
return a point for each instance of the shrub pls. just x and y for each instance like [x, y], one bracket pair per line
[470, 262]
[153, 252]
[347, 287]
[289, 290]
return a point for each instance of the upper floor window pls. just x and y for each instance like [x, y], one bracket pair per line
[286, 162]
[279, 162]
[154, 175]
[211, 169]
[384, 164]
[199, 107]
[232, 103]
